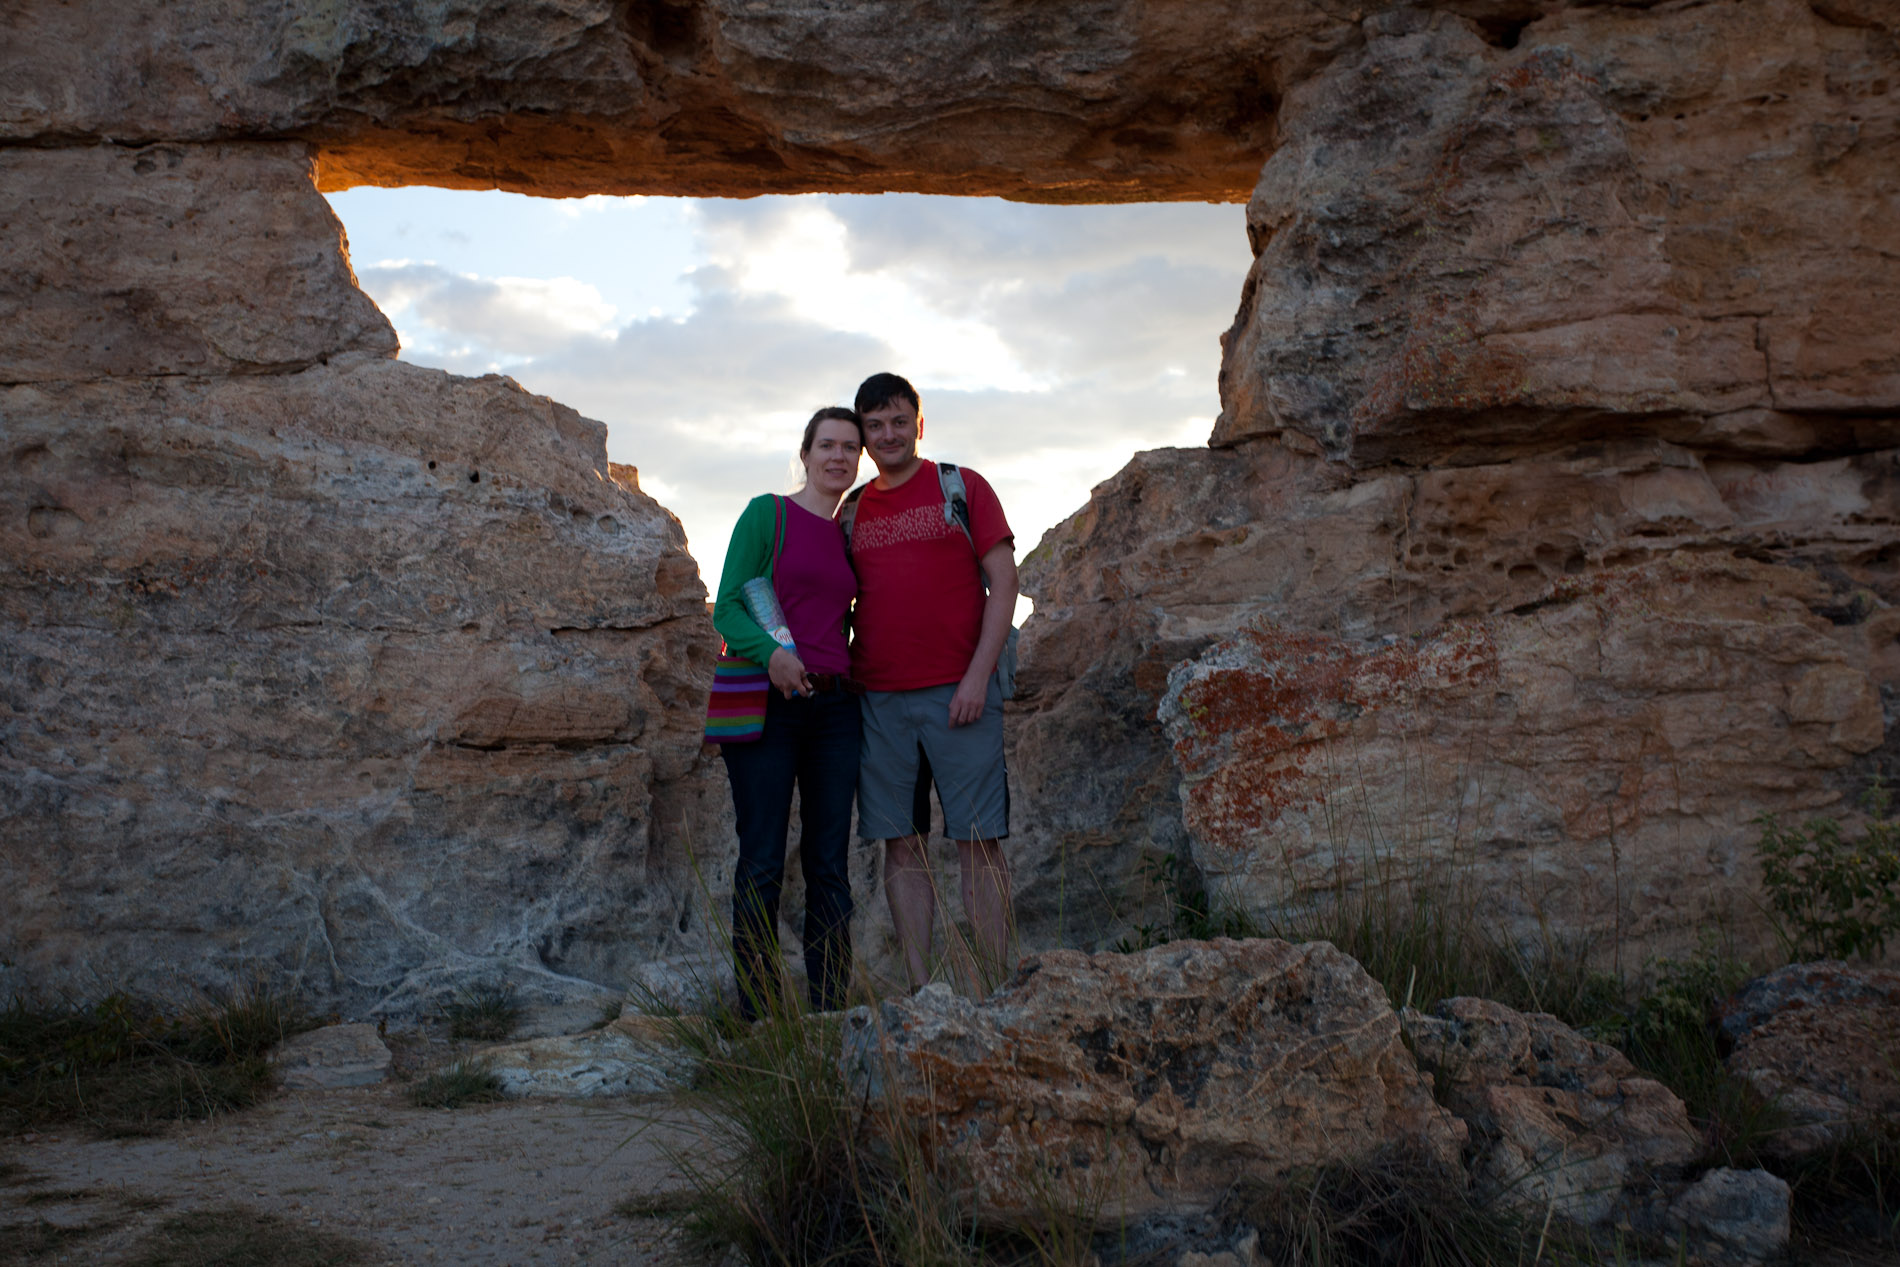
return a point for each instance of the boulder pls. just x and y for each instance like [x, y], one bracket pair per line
[618, 1059]
[1819, 1039]
[334, 1056]
[381, 677]
[1119, 1086]
[1548, 536]
[1735, 1215]
[1566, 1124]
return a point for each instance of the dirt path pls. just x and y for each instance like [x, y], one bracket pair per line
[524, 1181]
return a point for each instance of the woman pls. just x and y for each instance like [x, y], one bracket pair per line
[812, 727]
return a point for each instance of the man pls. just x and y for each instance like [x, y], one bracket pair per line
[927, 641]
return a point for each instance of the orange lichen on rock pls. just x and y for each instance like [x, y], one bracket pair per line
[1247, 719]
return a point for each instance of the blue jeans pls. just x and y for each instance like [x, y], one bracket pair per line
[811, 742]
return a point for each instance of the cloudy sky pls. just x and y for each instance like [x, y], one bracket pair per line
[1048, 343]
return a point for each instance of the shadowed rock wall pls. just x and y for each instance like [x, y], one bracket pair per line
[1106, 100]
[1549, 524]
[314, 659]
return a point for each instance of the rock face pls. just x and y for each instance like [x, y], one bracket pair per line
[1566, 1124]
[1115, 100]
[1818, 1040]
[1550, 524]
[334, 1056]
[1548, 527]
[377, 675]
[619, 1059]
[1123, 1085]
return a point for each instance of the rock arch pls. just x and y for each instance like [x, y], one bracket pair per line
[1554, 473]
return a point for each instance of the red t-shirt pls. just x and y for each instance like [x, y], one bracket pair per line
[920, 591]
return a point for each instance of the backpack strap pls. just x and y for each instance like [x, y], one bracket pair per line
[848, 514]
[956, 505]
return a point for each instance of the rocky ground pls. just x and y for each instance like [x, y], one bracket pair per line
[522, 1181]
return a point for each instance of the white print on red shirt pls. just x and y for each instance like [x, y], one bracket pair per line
[919, 523]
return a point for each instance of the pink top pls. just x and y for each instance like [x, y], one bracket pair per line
[815, 585]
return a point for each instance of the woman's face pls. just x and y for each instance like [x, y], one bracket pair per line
[831, 465]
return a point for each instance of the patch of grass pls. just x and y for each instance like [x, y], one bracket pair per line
[1188, 914]
[13, 1174]
[236, 1236]
[1669, 1033]
[126, 1065]
[1847, 1198]
[463, 1082]
[30, 1242]
[58, 1196]
[656, 1205]
[805, 1175]
[486, 1011]
[1398, 1211]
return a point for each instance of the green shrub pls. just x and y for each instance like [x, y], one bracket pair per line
[487, 1011]
[463, 1082]
[1669, 1033]
[1399, 1210]
[235, 1236]
[1834, 898]
[1188, 913]
[123, 1064]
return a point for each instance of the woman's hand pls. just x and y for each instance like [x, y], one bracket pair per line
[787, 672]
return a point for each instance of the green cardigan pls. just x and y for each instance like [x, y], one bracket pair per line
[749, 555]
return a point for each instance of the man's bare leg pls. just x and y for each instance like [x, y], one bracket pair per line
[912, 892]
[986, 902]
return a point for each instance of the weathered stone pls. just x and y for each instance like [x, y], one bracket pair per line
[1735, 1215]
[1565, 338]
[1106, 101]
[381, 676]
[1818, 1039]
[172, 259]
[615, 1060]
[1567, 1123]
[330, 1057]
[1122, 1085]
[1628, 214]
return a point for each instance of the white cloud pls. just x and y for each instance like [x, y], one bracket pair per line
[514, 318]
[1049, 343]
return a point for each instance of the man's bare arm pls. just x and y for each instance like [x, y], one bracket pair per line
[999, 613]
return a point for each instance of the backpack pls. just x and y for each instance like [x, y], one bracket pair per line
[956, 510]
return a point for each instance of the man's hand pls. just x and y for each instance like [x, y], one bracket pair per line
[787, 672]
[999, 574]
[966, 705]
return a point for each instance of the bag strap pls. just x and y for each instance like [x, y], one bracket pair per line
[956, 506]
[778, 536]
[848, 514]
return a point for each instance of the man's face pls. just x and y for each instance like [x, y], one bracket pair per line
[891, 432]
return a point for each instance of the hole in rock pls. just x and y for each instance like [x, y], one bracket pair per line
[1502, 32]
[1049, 343]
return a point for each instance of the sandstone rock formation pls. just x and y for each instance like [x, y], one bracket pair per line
[1818, 1039]
[1114, 101]
[315, 660]
[1122, 1085]
[1566, 1124]
[334, 1056]
[1549, 527]
[1735, 1216]
[626, 1057]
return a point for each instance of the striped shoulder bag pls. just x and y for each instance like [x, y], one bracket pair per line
[736, 711]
